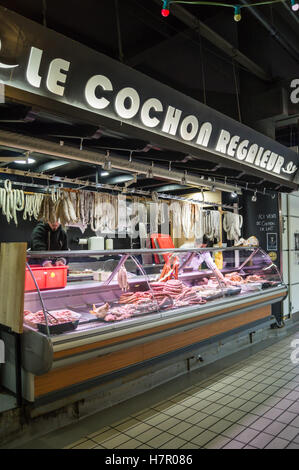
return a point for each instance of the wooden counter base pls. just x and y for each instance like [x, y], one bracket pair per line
[66, 376]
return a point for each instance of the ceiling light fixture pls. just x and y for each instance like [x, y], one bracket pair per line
[254, 198]
[105, 173]
[237, 8]
[28, 161]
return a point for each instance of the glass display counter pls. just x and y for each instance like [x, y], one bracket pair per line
[126, 293]
[116, 311]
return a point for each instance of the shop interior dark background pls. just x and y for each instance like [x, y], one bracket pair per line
[22, 233]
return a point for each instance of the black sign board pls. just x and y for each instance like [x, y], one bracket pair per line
[40, 61]
[261, 219]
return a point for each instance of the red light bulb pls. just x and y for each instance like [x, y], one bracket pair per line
[164, 12]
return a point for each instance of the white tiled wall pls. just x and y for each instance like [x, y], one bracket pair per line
[294, 297]
[286, 307]
[290, 262]
[285, 233]
[285, 266]
[293, 228]
[284, 204]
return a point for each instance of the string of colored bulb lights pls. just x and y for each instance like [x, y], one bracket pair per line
[237, 8]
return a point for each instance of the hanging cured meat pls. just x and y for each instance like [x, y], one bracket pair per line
[212, 224]
[122, 279]
[32, 205]
[47, 212]
[198, 222]
[232, 224]
[188, 220]
[11, 201]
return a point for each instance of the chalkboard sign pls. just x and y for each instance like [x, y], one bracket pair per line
[261, 219]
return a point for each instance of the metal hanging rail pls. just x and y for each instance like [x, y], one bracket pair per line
[83, 184]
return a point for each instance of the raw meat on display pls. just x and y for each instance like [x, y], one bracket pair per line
[253, 278]
[61, 316]
[235, 277]
[170, 269]
[120, 313]
[101, 311]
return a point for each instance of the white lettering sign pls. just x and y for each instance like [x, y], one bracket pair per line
[57, 72]
[295, 93]
[90, 91]
[32, 74]
[130, 96]
[150, 104]
[56, 75]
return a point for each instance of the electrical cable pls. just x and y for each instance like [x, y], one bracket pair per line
[237, 91]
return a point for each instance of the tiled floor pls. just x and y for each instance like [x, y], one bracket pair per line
[252, 405]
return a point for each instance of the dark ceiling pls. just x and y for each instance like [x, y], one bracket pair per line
[176, 52]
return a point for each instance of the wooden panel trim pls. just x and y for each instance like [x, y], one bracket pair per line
[82, 371]
[149, 331]
[12, 285]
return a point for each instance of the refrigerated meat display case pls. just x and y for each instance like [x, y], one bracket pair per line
[77, 335]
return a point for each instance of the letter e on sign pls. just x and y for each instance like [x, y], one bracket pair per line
[2, 352]
[295, 353]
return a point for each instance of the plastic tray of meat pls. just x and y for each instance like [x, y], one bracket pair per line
[62, 326]
[232, 291]
[211, 297]
[267, 284]
[251, 286]
[57, 329]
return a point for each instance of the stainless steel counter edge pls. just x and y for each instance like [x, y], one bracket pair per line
[76, 339]
[80, 253]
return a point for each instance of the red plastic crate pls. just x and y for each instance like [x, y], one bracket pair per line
[46, 278]
[164, 241]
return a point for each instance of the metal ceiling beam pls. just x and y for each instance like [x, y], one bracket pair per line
[63, 131]
[194, 23]
[285, 44]
[55, 150]
[11, 159]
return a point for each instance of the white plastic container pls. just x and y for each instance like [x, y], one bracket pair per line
[109, 244]
[96, 243]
